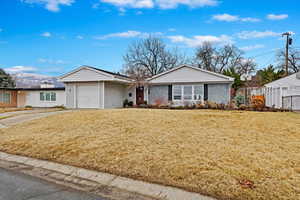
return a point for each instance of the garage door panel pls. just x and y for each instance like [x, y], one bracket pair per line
[88, 95]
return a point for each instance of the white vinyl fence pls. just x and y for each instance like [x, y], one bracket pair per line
[291, 102]
[279, 97]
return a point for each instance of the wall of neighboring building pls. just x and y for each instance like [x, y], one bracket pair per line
[33, 99]
[115, 94]
[283, 93]
[12, 101]
[219, 93]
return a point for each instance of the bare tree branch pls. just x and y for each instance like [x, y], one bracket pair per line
[220, 59]
[294, 62]
[148, 57]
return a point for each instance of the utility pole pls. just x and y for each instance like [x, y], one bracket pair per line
[289, 42]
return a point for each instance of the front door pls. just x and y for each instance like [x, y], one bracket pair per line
[139, 95]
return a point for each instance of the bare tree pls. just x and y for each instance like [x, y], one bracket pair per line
[245, 66]
[149, 57]
[206, 57]
[294, 61]
[220, 59]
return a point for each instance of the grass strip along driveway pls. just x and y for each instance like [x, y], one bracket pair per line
[224, 154]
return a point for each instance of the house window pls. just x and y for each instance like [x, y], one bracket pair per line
[47, 96]
[188, 92]
[177, 92]
[5, 97]
[198, 92]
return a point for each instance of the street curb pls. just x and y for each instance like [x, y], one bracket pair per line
[143, 188]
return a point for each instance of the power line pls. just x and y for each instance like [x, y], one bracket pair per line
[265, 53]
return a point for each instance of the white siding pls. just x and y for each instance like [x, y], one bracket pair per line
[33, 99]
[115, 94]
[85, 95]
[88, 95]
[86, 75]
[285, 82]
[284, 87]
[132, 90]
[188, 75]
[70, 95]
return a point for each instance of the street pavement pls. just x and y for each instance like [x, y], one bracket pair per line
[17, 186]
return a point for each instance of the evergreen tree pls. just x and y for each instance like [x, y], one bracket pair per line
[6, 81]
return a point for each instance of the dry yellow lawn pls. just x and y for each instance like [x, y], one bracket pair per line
[4, 110]
[208, 152]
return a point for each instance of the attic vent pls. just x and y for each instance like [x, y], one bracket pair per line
[298, 75]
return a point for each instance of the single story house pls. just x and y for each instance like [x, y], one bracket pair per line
[187, 85]
[284, 92]
[89, 87]
[34, 97]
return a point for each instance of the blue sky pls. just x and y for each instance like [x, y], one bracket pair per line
[52, 37]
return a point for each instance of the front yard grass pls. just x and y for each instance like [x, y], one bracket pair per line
[215, 153]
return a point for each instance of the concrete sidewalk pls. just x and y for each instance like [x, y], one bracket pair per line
[17, 117]
[89, 180]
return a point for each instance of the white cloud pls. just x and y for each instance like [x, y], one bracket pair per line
[171, 29]
[20, 69]
[46, 34]
[51, 5]
[131, 3]
[257, 34]
[169, 4]
[250, 19]
[252, 47]
[127, 34]
[226, 17]
[122, 11]
[163, 4]
[233, 18]
[51, 61]
[277, 17]
[95, 5]
[79, 37]
[198, 40]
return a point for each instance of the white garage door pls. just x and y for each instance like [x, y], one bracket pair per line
[88, 95]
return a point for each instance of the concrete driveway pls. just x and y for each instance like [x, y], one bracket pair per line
[12, 118]
[16, 186]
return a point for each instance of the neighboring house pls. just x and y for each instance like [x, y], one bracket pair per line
[186, 85]
[41, 97]
[89, 87]
[34, 97]
[284, 93]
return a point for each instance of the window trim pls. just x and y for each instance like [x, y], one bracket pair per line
[182, 92]
[50, 97]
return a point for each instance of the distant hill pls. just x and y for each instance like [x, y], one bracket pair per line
[31, 80]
